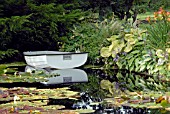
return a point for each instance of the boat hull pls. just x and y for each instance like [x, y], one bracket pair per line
[55, 59]
[67, 76]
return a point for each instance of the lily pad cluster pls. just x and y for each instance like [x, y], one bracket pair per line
[33, 100]
[13, 75]
[141, 99]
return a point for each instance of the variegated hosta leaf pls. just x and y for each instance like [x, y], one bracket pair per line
[114, 53]
[114, 44]
[161, 61]
[117, 48]
[112, 38]
[121, 44]
[128, 36]
[132, 40]
[128, 48]
[168, 50]
[168, 66]
[160, 53]
[105, 52]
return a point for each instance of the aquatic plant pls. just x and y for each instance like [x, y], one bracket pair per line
[33, 100]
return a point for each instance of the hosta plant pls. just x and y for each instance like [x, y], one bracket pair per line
[140, 50]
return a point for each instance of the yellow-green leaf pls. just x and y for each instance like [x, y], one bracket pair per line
[128, 48]
[114, 44]
[112, 38]
[105, 52]
[160, 53]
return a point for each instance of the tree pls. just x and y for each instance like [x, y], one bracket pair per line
[36, 25]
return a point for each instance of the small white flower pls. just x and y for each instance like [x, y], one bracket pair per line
[16, 98]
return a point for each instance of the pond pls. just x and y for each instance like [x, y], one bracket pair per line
[68, 91]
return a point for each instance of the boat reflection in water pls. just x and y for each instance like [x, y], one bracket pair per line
[64, 76]
[67, 76]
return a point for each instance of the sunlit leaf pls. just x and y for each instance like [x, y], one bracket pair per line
[168, 66]
[114, 45]
[113, 38]
[85, 111]
[105, 52]
[164, 103]
[128, 48]
[160, 53]
[168, 50]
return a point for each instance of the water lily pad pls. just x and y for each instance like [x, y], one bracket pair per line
[85, 111]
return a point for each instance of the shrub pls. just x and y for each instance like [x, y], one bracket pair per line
[8, 55]
[90, 37]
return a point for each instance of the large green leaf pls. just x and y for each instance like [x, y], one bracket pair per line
[105, 52]
[113, 38]
[128, 48]
[114, 45]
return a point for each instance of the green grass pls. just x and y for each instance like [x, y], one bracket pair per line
[143, 16]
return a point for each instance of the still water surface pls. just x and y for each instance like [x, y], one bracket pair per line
[87, 82]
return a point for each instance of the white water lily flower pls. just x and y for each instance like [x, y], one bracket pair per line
[16, 98]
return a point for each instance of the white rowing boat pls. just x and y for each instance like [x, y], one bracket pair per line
[55, 59]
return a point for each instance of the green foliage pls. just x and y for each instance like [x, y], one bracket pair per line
[36, 25]
[92, 87]
[128, 51]
[90, 37]
[142, 82]
[4, 55]
[159, 35]
[156, 4]
[111, 89]
[141, 52]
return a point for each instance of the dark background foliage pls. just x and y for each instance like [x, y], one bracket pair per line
[28, 25]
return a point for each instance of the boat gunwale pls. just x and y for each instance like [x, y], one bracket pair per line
[39, 54]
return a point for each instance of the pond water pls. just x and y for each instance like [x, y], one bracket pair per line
[87, 82]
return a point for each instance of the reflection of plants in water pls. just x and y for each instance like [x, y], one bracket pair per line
[134, 82]
[140, 99]
[111, 88]
[91, 87]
